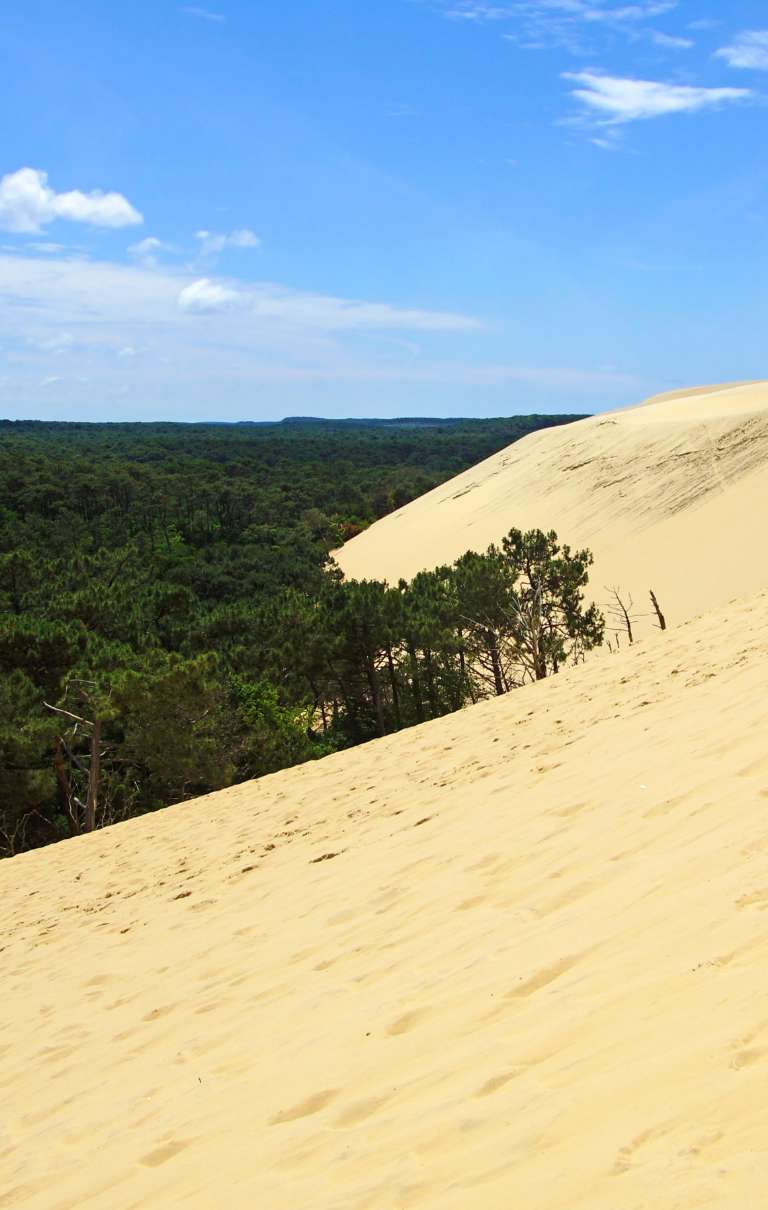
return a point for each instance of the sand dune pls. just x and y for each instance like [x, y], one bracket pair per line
[514, 957]
[671, 495]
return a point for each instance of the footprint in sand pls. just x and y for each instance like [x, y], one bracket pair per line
[758, 899]
[362, 1110]
[626, 1154]
[311, 1105]
[406, 1022]
[746, 1057]
[543, 978]
[161, 1155]
[497, 1082]
[157, 1013]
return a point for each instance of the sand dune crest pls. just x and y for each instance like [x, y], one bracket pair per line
[671, 495]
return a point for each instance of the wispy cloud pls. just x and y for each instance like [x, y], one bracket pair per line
[205, 296]
[97, 317]
[28, 203]
[670, 42]
[145, 252]
[590, 11]
[204, 14]
[267, 303]
[474, 10]
[748, 50]
[539, 23]
[616, 100]
[58, 343]
[71, 294]
[211, 242]
[46, 248]
[172, 336]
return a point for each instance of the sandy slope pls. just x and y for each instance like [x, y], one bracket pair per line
[514, 958]
[671, 495]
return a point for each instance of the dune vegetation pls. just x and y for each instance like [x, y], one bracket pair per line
[167, 601]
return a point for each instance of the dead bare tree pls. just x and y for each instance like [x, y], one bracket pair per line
[661, 620]
[621, 612]
[13, 839]
[82, 814]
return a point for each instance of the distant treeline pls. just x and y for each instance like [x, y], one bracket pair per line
[170, 620]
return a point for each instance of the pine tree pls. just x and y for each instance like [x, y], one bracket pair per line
[549, 623]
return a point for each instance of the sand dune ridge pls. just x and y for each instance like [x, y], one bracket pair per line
[513, 957]
[664, 495]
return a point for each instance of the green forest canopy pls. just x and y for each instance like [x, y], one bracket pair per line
[172, 584]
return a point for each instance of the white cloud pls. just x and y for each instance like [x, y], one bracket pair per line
[609, 138]
[614, 100]
[145, 246]
[540, 23]
[211, 243]
[339, 314]
[27, 203]
[271, 304]
[58, 343]
[204, 295]
[47, 248]
[669, 42]
[146, 250]
[570, 10]
[748, 50]
[592, 12]
[473, 10]
[704, 23]
[205, 14]
[83, 295]
[174, 337]
[127, 327]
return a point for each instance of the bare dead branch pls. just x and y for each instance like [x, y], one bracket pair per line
[662, 621]
[71, 755]
[621, 609]
[68, 714]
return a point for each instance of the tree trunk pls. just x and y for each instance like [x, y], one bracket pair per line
[539, 659]
[393, 683]
[416, 679]
[318, 703]
[373, 681]
[431, 682]
[660, 616]
[94, 773]
[493, 651]
[65, 790]
[465, 679]
[349, 708]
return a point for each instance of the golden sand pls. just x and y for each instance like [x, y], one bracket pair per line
[516, 957]
[672, 495]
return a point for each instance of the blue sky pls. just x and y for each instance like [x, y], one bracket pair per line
[335, 207]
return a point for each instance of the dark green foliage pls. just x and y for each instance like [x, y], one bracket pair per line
[548, 621]
[171, 586]
[27, 784]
